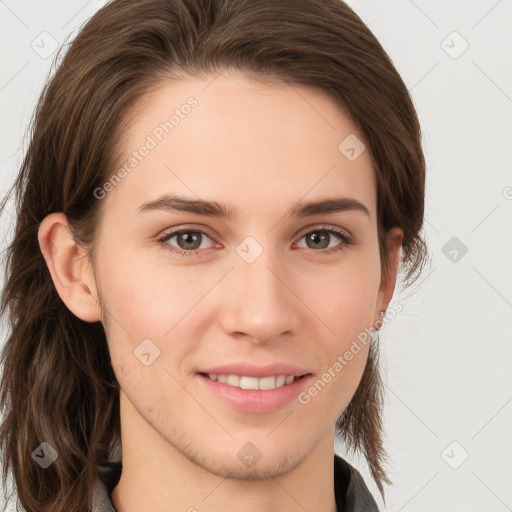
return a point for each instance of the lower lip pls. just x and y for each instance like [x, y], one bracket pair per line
[255, 400]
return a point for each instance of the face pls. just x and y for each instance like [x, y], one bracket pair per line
[186, 292]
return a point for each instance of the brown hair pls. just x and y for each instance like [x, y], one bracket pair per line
[58, 384]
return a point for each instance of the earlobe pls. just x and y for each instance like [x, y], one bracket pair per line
[68, 266]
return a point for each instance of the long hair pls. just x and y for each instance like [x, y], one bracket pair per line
[58, 385]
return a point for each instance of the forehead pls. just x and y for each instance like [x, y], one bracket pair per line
[241, 142]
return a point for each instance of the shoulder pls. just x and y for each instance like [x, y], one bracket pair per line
[108, 477]
[351, 491]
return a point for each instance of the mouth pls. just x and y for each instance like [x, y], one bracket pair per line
[254, 383]
[253, 394]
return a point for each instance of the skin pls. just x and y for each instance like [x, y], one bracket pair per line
[260, 148]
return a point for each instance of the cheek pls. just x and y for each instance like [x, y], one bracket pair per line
[147, 296]
[335, 385]
[150, 301]
[347, 303]
[347, 308]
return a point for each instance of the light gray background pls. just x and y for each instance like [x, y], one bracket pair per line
[447, 355]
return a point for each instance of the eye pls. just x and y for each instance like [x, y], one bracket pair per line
[322, 236]
[190, 241]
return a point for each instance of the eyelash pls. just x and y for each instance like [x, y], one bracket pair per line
[345, 239]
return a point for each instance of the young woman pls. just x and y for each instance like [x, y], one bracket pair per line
[211, 217]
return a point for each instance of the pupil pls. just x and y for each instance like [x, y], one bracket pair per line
[316, 238]
[185, 238]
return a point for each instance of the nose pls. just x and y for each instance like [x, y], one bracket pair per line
[259, 300]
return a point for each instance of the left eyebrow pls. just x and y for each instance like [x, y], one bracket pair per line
[325, 206]
[217, 210]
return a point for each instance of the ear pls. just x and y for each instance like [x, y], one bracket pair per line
[69, 268]
[388, 279]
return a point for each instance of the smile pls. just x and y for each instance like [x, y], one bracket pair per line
[245, 382]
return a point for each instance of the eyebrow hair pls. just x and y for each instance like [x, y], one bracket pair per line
[214, 209]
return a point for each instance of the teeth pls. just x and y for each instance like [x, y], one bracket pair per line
[245, 382]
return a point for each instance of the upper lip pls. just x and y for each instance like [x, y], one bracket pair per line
[251, 370]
